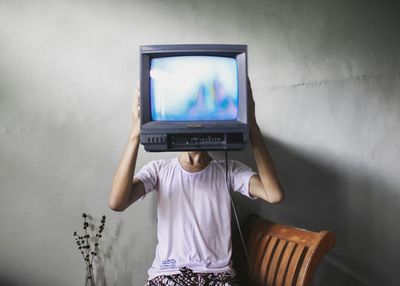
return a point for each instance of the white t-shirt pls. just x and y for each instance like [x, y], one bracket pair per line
[194, 214]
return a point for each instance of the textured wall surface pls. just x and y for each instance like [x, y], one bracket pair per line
[326, 81]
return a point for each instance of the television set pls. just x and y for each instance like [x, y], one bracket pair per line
[193, 97]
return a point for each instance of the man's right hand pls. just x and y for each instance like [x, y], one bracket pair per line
[125, 188]
[135, 132]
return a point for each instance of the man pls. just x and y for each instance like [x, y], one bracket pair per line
[193, 230]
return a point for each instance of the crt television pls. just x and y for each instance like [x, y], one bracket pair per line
[193, 97]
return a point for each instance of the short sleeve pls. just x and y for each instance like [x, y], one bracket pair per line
[240, 175]
[148, 174]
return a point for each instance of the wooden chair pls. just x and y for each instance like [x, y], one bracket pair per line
[279, 255]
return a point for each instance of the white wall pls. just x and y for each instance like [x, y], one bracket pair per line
[325, 76]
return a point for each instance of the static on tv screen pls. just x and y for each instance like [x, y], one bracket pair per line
[185, 88]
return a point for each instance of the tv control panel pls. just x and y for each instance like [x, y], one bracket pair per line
[193, 142]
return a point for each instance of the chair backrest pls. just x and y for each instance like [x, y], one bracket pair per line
[281, 255]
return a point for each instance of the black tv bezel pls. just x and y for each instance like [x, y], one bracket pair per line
[148, 126]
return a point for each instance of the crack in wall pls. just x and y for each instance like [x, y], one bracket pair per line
[341, 81]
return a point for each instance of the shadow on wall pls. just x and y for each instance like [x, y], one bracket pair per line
[127, 257]
[106, 257]
[4, 281]
[329, 193]
[321, 192]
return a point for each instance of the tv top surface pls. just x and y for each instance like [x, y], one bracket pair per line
[187, 88]
[218, 48]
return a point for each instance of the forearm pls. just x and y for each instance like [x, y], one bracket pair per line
[265, 166]
[122, 181]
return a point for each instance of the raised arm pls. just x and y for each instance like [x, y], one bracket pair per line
[125, 188]
[266, 184]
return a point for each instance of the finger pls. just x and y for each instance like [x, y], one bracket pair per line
[137, 91]
[137, 95]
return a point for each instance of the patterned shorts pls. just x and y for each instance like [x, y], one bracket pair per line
[188, 278]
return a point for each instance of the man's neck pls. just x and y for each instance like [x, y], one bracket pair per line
[194, 161]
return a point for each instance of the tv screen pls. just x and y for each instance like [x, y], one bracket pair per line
[186, 88]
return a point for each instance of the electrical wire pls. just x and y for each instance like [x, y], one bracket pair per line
[233, 206]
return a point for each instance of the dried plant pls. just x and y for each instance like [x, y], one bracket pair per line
[89, 245]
